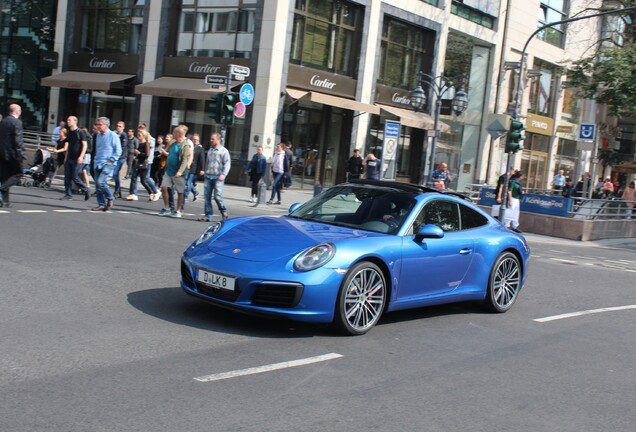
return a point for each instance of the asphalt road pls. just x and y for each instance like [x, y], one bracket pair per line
[96, 335]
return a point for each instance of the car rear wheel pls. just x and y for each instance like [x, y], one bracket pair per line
[504, 283]
[361, 299]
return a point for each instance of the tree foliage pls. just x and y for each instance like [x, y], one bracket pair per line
[609, 74]
[609, 77]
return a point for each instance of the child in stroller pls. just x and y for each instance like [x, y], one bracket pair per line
[41, 172]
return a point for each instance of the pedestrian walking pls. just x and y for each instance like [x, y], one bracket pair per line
[354, 166]
[279, 168]
[494, 211]
[217, 167]
[256, 169]
[11, 153]
[513, 210]
[372, 167]
[120, 130]
[107, 152]
[196, 170]
[140, 170]
[629, 195]
[441, 176]
[76, 146]
[176, 167]
[558, 181]
[131, 145]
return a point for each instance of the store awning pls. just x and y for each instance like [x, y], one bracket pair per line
[175, 87]
[418, 120]
[627, 168]
[334, 101]
[85, 80]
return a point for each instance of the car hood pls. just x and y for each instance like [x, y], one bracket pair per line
[265, 239]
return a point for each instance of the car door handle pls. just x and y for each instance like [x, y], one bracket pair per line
[465, 251]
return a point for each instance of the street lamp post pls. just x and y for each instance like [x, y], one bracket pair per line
[439, 86]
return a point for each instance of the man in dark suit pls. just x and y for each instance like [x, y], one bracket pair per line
[11, 152]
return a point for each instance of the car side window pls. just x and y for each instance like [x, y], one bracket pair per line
[471, 218]
[444, 214]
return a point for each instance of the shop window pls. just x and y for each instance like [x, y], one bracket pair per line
[113, 27]
[206, 31]
[404, 49]
[552, 11]
[466, 10]
[543, 88]
[325, 35]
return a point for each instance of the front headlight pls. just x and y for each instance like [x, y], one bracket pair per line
[208, 233]
[315, 257]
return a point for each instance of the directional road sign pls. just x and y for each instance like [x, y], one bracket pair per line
[215, 79]
[243, 71]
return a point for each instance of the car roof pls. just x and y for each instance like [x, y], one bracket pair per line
[407, 187]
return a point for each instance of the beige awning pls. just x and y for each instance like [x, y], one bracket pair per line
[334, 101]
[627, 168]
[414, 119]
[175, 87]
[85, 80]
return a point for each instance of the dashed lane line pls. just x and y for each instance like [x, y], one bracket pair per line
[268, 368]
[584, 312]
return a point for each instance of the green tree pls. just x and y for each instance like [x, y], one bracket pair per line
[608, 75]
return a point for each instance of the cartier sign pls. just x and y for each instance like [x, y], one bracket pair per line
[198, 67]
[321, 81]
[104, 63]
[392, 96]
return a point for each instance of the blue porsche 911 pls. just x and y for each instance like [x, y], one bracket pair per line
[355, 251]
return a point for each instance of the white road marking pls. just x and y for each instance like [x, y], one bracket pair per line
[68, 211]
[31, 211]
[566, 261]
[268, 368]
[585, 312]
[4, 211]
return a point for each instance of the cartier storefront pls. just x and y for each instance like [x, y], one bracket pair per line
[317, 120]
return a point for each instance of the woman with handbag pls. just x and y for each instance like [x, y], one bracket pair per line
[140, 170]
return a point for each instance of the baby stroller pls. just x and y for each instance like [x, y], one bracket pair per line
[41, 172]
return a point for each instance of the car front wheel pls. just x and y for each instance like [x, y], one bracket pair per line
[504, 283]
[361, 299]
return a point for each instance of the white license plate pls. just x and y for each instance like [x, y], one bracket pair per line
[216, 280]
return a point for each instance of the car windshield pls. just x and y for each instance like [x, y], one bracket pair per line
[370, 208]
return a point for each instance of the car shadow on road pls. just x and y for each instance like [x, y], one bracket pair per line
[173, 305]
[461, 308]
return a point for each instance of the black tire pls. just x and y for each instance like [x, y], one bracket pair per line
[504, 283]
[361, 299]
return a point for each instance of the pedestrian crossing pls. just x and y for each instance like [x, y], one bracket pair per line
[561, 258]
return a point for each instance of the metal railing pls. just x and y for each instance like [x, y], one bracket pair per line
[36, 140]
[601, 209]
[611, 208]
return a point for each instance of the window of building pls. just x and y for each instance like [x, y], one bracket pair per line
[467, 10]
[215, 31]
[543, 88]
[325, 35]
[552, 11]
[404, 49]
[113, 26]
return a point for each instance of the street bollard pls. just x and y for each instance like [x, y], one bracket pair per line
[317, 189]
[262, 194]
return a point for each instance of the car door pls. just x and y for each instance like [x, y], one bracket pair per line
[435, 266]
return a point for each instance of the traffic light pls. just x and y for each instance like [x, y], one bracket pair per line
[515, 137]
[229, 101]
[216, 107]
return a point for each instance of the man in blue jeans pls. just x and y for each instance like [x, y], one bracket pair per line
[107, 153]
[75, 150]
[123, 139]
[217, 167]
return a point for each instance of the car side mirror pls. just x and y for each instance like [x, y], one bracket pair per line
[294, 206]
[429, 231]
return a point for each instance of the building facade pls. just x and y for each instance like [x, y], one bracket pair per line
[329, 76]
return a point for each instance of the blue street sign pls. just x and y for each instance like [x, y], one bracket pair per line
[587, 132]
[247, 93]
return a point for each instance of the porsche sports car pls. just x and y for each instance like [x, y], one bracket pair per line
[355, 251]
